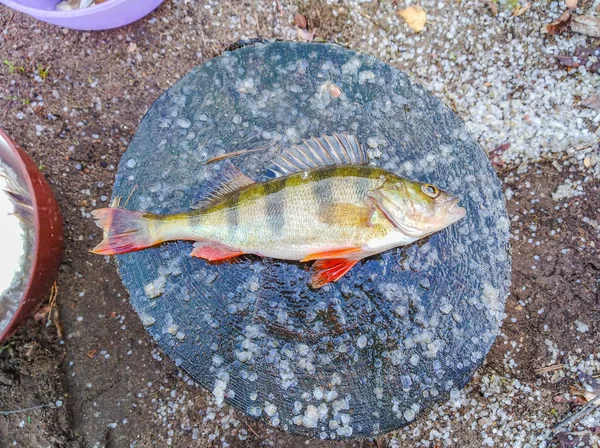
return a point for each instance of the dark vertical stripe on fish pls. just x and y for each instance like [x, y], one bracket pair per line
[323, 196]
[232, 215]
[275, 206]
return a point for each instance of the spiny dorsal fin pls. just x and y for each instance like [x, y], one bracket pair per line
[336, 149]
[229, 180]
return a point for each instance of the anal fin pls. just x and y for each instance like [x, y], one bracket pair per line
[213, 251]
[333, 253]
[330, 270]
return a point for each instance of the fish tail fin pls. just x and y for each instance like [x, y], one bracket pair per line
[124, 231]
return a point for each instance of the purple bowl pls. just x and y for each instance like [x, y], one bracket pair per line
[110, 14]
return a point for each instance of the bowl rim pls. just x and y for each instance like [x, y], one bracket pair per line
[12, 145]
[53, 14]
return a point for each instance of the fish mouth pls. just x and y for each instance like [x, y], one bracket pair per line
[454, 212]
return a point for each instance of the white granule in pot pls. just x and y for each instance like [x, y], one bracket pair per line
[15, 228]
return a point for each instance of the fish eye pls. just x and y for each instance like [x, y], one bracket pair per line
[430, 190]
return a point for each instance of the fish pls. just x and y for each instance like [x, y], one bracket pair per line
[70, 5]
[323, 203]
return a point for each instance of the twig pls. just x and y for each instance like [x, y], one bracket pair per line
[235, 153]
[54, 313]
[52, 300]
[16, 411]
[57, 323]
[252, 430]
[548, 369]
[375, 22]
[130, 194]
[203, 145]
[585, 410]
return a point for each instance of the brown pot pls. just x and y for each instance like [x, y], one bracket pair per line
[48, 244]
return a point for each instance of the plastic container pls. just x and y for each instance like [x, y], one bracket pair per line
[106, 15]
[48, 244]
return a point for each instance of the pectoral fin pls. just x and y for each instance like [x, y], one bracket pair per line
[330, 270]
[344, 214]
[213, 251]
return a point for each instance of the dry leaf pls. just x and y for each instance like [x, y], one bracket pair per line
[305, 35]
[300, 21]
[588, 25]
[493, 7]
[571, 4]
[560, 399]
[593, 102]
[559, 24]
[581, 56]
[569, 61]
[567, 440]
[496, 154]
[519, 10]
[415, 17]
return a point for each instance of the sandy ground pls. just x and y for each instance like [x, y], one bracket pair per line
[73, 100]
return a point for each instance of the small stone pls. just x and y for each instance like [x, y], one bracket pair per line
[371, 142]
[183, 123]
[588, 162]
[270, 409]
[361, 342]
[318, 393]
[581, 327]
[147, 320]
[446, 308]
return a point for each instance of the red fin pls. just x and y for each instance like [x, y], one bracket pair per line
[124, 231]
[333, 253]
[330, 270]
[213, 251]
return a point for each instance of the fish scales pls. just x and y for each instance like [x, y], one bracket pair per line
[333, 214]
[285, 212]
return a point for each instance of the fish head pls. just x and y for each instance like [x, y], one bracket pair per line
[419, 209]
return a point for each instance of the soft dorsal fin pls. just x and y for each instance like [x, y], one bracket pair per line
[229, 180]
[336, 149]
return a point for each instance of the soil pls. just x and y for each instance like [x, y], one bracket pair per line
[115, 387]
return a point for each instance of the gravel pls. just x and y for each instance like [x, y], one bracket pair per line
[497, 72]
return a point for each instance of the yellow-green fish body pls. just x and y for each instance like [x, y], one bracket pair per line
[336, 214]
[294, 216]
